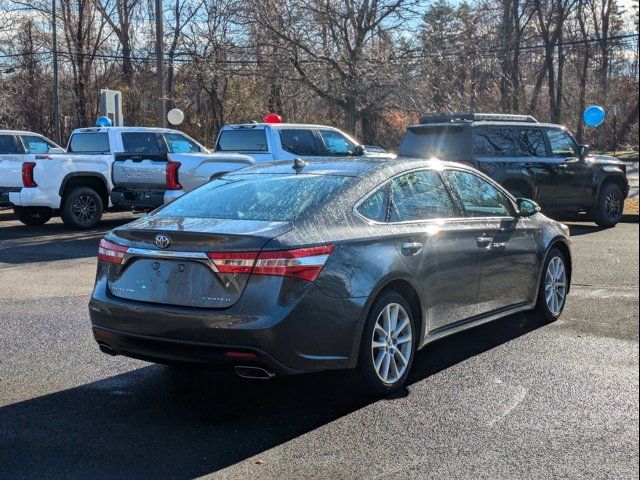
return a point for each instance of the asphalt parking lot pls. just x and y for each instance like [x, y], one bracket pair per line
[511, 399]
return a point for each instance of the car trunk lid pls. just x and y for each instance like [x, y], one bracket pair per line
[167, 263]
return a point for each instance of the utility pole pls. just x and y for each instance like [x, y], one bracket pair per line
[56, 94]
[161, 102]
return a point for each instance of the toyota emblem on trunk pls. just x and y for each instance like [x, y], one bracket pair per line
[162, 241]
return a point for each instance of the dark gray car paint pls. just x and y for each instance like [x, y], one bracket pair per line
[297, 326]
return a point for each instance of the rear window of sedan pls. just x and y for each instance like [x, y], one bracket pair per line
[277, 198]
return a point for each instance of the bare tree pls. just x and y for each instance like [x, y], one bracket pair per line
[338, 49]
[119, 14]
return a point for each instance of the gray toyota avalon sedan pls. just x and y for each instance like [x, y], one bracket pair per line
[288, 268]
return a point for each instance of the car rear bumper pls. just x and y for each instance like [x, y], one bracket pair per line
[307, 332]
[5, 193]
[143, 199]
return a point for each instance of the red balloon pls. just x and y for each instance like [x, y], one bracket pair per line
[273, 118]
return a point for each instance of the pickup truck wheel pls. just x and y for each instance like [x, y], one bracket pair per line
[82, 208]
[608, 210]
[33, 216]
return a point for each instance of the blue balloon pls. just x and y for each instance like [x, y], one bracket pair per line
[594, 116]
[103, 122]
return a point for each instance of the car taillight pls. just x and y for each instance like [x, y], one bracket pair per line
[27, 175]
[236, 262]
[111, 252]
[304, 263]
[172, 176]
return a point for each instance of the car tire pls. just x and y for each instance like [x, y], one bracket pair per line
[608, 211]
[376, 363]
[552, 294]
[33, 216]
[82, 208]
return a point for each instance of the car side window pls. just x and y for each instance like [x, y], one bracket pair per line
[494, 142]
[178, 143]
[336, 144]
[478, 196]
[376, 206]
[7, 145]
[531, 143]
[35, 144]
[420, 195]
[140, 142]
[562, 144]
[299, 141]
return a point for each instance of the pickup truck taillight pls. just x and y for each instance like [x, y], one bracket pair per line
[172, 176]
[27, 175]
[304, 263]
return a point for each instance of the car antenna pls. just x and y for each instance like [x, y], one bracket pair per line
[298, 164]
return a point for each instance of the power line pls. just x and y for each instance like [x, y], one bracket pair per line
[613, 41]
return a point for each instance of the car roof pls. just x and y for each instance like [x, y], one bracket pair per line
[261, 126]
[20, 132]
[124, 129]
[347, 166]
[486, 123]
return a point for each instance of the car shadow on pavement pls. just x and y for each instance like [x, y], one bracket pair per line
[583, 229]
[49, 242]
[156, 422]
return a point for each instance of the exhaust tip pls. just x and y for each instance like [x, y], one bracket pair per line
[104, 348]
[254, 373]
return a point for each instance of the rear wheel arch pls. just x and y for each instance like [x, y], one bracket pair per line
[409, 292]
[94, 181]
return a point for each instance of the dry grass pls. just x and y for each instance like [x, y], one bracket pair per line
[631, 206]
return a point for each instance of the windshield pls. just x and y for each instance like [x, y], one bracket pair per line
[277, 198]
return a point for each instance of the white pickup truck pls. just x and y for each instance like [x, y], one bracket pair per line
[77, 184]
[268, 142]
[18, 152]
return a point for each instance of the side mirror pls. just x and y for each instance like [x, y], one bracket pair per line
[583, 151]
[56, 150]
[527, 208]
[358, 151]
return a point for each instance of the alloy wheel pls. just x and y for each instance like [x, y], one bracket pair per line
[392, 343]
[612, 206]
[555, 285]
[84, 208]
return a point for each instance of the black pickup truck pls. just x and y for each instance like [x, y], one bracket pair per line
[540, 161]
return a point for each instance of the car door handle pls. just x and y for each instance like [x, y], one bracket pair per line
[484, 242]
[411, 248]
[498, 246]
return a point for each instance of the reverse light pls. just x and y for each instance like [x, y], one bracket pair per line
[172, 176]
[27, 175]
[111, 252]
[303, 263]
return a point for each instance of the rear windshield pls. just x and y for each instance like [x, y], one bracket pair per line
[277, 198]
[140, 142]
[442, 142]
[89, 143]
[242, 140]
